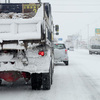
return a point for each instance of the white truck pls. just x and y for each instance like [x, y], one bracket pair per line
[94, 45]
[26, 43]
[69, 45]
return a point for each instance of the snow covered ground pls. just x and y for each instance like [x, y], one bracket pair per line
[78, 81]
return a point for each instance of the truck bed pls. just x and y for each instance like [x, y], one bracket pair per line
[20, 22]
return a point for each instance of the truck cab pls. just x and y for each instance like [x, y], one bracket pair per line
[94, 45]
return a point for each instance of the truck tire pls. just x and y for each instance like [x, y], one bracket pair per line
[66, 62]
[52, 71]
[51, 77]
[36, 81]
[90, 52]
[0, 81]
[46, 82]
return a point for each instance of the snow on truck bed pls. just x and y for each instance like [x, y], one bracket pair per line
[16, 15]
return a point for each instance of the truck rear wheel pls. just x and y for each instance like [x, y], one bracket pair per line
[46, 82]
[36, 81]
[90, 52]
[47, 78]
[66, 62]
[0, 81]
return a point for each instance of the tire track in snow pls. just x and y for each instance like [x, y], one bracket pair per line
[86, 77]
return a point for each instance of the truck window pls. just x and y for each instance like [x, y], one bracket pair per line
[19, 8]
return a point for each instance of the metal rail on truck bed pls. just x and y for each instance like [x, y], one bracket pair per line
[19, 8]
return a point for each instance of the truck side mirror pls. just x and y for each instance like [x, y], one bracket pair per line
[57, 29]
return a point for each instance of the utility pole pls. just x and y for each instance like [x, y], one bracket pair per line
[5, 1]
[80, 35]
[8, 1]
[88, 33]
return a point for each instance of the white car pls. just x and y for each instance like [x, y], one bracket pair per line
[60, 53]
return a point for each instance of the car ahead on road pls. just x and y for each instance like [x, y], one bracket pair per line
[71, 48]
[60, 53]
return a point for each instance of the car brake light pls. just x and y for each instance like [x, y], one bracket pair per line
[65, 51]
[41, 53]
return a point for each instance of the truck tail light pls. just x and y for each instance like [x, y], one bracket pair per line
[65, 51]
[41, 53]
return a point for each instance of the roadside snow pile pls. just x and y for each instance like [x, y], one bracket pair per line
[16, 15]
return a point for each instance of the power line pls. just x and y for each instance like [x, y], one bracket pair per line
[76, 11]
[75, 4]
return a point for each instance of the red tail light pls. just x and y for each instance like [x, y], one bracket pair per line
[41, 53]
[65, 51]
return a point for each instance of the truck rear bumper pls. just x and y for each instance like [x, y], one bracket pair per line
[36, 65]
[60, 59]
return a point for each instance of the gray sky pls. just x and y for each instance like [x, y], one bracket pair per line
[74, 16]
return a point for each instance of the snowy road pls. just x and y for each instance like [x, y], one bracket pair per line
[78, 81]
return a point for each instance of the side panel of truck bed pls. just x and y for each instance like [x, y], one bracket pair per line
[19, 8]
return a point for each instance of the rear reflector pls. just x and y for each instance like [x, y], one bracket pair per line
[41, 53]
